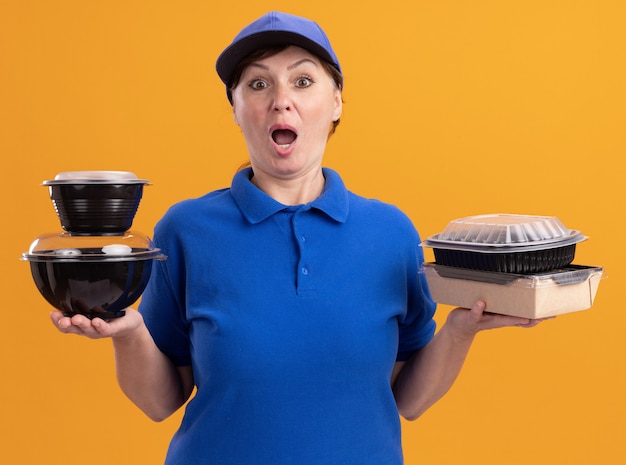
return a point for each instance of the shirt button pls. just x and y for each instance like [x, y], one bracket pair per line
[303, 239]
[305, 271]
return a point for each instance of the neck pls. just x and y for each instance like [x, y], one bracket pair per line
[291, 191]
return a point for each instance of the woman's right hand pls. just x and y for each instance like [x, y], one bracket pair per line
[97, 328]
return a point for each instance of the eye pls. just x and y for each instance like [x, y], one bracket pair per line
[257, 84]
[304, 82]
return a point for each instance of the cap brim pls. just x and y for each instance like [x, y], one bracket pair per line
[229, 59]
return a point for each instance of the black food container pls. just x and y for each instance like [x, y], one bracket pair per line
[95, 276]
[505, 243]
[96, 202]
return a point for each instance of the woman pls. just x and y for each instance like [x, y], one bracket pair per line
[293, 306]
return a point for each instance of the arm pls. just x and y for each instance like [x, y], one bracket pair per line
[147, 377]
[431, 371]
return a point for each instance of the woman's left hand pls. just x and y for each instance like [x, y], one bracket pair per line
[470, 321]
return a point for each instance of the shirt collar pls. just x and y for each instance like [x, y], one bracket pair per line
[256, 205]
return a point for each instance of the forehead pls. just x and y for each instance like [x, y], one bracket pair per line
[289, 57]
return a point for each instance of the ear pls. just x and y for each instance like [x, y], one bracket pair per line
[338, 105]
[235, 119]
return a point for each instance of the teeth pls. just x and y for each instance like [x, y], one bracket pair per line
[284, 146]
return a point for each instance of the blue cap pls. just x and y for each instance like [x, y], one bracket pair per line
[274, 28]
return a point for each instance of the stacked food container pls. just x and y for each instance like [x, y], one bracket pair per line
[96, 267]
[520, 265]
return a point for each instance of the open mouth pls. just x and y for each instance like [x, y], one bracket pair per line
[284, 137]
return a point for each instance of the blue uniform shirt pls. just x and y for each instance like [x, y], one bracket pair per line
[292, 318]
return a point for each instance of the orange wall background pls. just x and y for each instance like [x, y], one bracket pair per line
[452, 108]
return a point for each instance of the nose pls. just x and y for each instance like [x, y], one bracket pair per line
[282, 99]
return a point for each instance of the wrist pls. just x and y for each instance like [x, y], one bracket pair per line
[132, 328]
[459, 326]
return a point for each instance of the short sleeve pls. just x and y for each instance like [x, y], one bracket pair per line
[162, 303]
[417, 328]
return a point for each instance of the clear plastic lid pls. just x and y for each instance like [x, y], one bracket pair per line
[95, 177]
[68, 247]
[505, 231]
[571, 274]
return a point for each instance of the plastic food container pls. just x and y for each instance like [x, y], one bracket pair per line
[96, 276]
[96, 202]
[505, 243]
[538, 295]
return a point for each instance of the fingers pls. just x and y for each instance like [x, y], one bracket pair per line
[63, 323]
[480, 318]
[97, 328]
[489, 320]
[79, 324]
[531, 323]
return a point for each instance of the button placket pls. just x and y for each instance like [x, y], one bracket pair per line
[303, 267]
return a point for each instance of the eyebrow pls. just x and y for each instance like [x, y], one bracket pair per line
[292, 66]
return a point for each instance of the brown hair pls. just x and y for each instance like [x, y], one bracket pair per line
[265, 52]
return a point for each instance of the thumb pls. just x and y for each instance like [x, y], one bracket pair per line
[477, 310]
